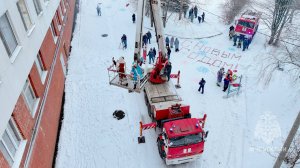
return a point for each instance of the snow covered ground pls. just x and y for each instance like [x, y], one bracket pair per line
[241, 128]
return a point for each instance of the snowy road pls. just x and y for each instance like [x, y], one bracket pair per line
[91, 137]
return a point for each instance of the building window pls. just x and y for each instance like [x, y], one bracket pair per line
[30, 97]
[37, 6]
[57, 21]
[41, 68]
[7, 35]
[53, 32]
[24, 14]
[10, 142]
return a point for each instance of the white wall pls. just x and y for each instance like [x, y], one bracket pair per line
[14, 74]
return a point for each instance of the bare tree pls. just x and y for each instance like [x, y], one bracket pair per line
[281, 12]
[293, 154]
[283, 59]
[232, 8]
[170, 7]
[295, 7]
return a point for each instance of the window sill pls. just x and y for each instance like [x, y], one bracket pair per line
[36, 104]
[15, 54]
[55, 39]
[43, 77]
[29, 32]
[19, 154]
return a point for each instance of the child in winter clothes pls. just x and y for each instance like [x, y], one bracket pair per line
[199, 19]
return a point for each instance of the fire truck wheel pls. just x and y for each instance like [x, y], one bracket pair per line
[162, 153]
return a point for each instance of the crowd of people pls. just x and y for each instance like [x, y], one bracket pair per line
[193, 13]
[239, 40]
[229, 77]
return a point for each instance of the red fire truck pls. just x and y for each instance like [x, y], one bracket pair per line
[247, 24]
[182, 138]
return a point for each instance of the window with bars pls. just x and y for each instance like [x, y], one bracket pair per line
[24, 14]
[37, 6]
[7, 35]
[30, 97]
[10, 142]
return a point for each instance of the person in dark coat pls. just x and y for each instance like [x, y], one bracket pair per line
[114, 61]
[154, 52]
[245, 44]
[226, 83]
[195, 11]
[191, 12]
[199, 19]
[168, 52]
[167, 41]
[98, 9]
[239, 45]
[149, 36]
[249, 41]
[231, 32]
[185, 9]
[168, 70]
[151, 55]
[172, 42]
[124, 41]
[145, 39]
[220, 76]
[201, 83]
[133, 18]
[235, 37]
[176, 44]
[203, 15]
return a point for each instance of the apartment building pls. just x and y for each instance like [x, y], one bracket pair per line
[35, 38]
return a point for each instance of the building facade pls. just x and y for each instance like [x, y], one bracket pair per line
[35, 37]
